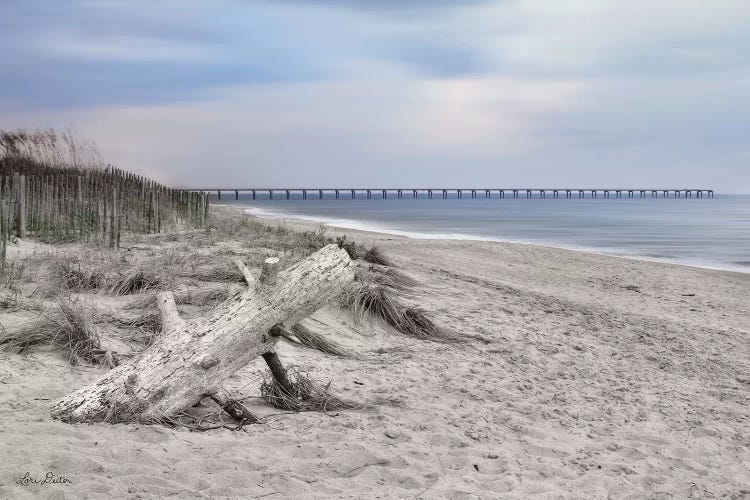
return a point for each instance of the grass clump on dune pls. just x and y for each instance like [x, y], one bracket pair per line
[226, 273]
[349, 246]
[415, 323]
[137, 280]
[374, 296]
[306, 394]
[67, 327]
[391, 278]
[370, 300]
[75, 276]
[376, 256]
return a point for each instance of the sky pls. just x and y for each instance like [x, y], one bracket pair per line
[396, 93]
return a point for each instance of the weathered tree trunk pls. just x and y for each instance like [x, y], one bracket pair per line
[191, 360]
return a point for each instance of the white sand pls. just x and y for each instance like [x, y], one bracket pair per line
[602, 378]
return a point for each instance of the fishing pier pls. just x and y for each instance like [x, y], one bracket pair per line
[453, 193]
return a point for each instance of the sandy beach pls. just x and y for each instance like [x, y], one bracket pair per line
[586, 376]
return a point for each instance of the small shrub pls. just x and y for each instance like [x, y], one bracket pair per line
[376, 256]
[137, 280]
[349, 246]
[308, 395]
[14, 273]
[75, 276]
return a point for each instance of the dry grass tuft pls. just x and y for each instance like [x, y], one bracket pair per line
[416, 324]
[376, 256]
[143, 301]
[390, 278]
[225, 273]
[368, 300]
[208, 297]
[378, 302]
[308, 395]
[315, 340]
[137, 280]
[349, 246]
[14, 273]
[74, 276]
[11, 300]
[67, 327]
[147, 327]
[201, 297]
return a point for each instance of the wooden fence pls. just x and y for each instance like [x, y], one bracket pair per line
[94, 206]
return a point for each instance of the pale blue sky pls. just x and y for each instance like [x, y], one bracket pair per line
[324, 92]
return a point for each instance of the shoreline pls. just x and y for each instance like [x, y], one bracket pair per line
[310, 222]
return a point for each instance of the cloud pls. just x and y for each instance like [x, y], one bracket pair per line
[265, 92]
[386, 5]
[617, 37]
[352, 130]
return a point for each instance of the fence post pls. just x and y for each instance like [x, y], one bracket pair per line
[113, 220]
[158, 213]
[79, 205]
[21, 206]
[3, 233]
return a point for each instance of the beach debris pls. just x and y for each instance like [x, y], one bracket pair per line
[392, 433]
[169, 377]
[236, 410]
[351, 473]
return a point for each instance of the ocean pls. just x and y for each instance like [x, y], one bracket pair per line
[713, 233]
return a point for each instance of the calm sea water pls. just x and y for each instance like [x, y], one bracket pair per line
[704, 232]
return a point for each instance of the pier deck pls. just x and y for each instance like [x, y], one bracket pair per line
[458, 193]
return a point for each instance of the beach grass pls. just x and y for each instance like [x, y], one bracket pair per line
[306, 394]
[67, 326]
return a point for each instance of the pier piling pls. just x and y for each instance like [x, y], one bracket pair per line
[429, 193]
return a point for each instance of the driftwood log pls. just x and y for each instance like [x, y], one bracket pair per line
[191, 360]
